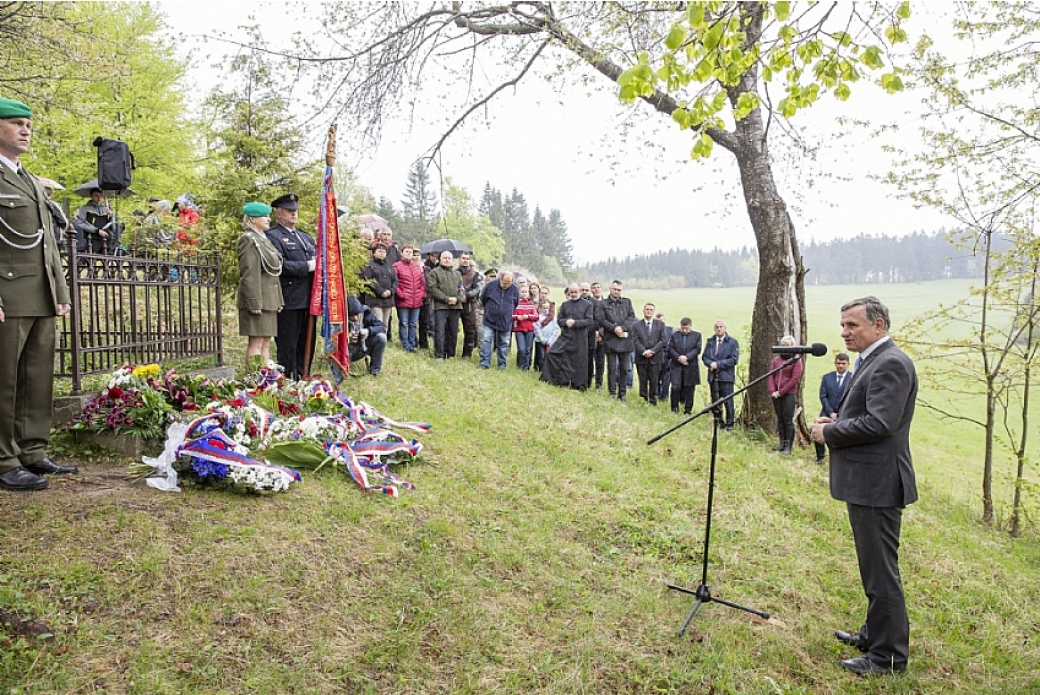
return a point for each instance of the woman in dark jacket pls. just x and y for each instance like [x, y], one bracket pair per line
[382, 284]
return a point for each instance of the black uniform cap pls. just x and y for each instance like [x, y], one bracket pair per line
[286, 202]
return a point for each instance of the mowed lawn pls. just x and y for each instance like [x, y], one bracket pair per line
[532, 557]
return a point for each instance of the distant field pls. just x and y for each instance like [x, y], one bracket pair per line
[954, 448]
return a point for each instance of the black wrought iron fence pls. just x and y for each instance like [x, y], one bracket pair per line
[139, 308]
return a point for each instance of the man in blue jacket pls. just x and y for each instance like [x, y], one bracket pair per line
[721, 354]
[367, 335]
[832, 386]
[499, 298]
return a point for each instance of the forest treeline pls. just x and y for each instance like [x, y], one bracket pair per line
[862, 259]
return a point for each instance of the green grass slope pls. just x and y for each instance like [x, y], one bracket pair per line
[532, 558]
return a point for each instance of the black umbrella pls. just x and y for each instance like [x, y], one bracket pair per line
[441, 245]
[85, 189]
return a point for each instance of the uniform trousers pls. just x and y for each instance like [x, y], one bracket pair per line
[291, 341]
[26, 389]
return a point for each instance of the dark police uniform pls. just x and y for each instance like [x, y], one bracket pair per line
[297, 249]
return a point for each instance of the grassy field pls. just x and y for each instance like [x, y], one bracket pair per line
[531, 558]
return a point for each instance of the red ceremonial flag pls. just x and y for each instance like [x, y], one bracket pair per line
[328, 296]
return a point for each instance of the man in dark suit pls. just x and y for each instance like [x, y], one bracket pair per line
[872, 472]
[832, 386]
[684, 347]
[721, 355]
[649, 347]
[32, 293]
[298, 252]
[615, 317]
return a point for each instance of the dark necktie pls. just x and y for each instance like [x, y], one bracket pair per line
[841, 380]
[24, 175]
[684, 342]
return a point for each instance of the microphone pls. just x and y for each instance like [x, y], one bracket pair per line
[816, 349]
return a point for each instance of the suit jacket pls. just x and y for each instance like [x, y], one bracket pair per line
[296, 248]
[690, 375]
[831, 393]
[610, 315]
[32, 282]
[725, 355]
[870, 440]
[652, 339]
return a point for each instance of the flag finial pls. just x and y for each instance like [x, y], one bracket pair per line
[330, 147]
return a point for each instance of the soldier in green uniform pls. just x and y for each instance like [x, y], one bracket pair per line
[32, 293]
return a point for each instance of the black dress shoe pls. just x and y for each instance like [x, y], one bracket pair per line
[45, 465]
[852, 639]
[21, 480]
[862, 666]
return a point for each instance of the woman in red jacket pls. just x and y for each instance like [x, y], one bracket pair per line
[783, 387]
[411, 289]
[524, 316]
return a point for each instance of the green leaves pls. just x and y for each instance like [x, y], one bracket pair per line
[675, 37]
[707, 62]
[891, 83]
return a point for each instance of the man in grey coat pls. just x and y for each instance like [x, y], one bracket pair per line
[872, 472]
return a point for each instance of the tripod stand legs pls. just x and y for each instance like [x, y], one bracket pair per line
[703, 594]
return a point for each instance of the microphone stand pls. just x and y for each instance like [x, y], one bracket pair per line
[703, 591]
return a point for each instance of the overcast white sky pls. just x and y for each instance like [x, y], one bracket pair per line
[617, 200]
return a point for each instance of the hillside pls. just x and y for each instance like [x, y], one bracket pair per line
[531, 558]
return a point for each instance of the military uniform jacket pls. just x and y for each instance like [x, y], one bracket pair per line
[32, 282]
[258, 288]
[296, 248]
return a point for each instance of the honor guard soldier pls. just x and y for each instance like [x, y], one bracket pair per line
[32, 293]
[298, 252]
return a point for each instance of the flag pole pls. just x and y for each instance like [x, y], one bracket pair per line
[328, 298]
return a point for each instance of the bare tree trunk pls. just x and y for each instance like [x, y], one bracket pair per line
[780, 294]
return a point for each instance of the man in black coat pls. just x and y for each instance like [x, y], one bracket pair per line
[298, 253]
[615, 317]
[872, 472]
[566, 363]
[684, 347]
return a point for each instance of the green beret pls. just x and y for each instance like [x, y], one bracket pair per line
[9, 108]
[256, 209]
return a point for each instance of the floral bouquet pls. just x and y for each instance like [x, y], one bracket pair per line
[308, 425]
[204, 453]
[128, 405]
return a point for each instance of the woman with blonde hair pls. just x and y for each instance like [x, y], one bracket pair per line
[783, 388]
[259, 290]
